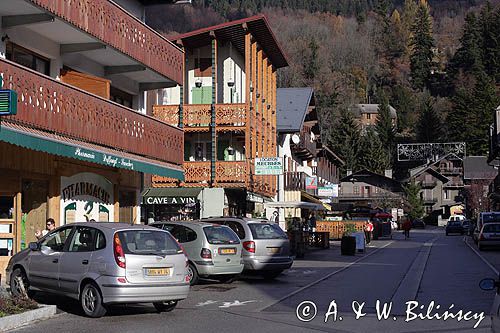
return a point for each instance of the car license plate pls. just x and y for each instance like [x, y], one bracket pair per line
[273, 250]
[157, 271]
[227, 251]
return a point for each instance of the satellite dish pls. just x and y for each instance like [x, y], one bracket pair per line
[295, 139]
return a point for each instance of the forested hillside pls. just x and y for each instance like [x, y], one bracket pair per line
[436, 62]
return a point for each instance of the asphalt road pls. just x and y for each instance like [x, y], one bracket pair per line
[429, 267]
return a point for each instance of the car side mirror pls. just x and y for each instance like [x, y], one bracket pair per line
[34, 246]
[488, 284]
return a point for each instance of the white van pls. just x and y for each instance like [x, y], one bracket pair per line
[454, 218]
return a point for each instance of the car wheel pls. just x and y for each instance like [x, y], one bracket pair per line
[230, 278]
[165, 306]
[480, 247]
[271, 275]
[91, 301]
[19, 284]
[192, 274]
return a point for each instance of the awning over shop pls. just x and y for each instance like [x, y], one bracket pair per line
[295, 204]
[57, 145]
[170, 195]
[313, 199]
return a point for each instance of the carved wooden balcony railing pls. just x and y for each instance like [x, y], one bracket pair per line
[197, 115]
[167, 113]
[230, 171]
[53, 106]
[230, 114]
[114, 26]
[197, 172]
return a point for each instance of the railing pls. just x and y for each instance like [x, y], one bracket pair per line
[427, 184]
[53, 106]
[295, 181]
[197, 172]
[454, 184]
[231, 171]
[114, 26]
[380, 195]
[197, 115]
[230, 114]
[167, 113]
[337, 228]
[306, 141]
[430, 200]
[450, 170]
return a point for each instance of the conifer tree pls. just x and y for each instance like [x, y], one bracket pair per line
[373, 155]
[412, 191]
[422, 44]
[384, 127]
[345, 139]
[429, 125]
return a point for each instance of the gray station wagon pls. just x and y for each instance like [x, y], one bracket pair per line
[104, 263]
[213, 250]
[266, 248]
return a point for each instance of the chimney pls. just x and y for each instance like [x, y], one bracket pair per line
[349, 172]
[388, 173]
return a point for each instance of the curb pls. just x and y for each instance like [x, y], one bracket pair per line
[21, 319]
[466, 241]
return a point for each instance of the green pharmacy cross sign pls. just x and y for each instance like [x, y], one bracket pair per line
[8, 102]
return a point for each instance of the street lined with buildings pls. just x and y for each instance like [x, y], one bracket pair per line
[390, 271]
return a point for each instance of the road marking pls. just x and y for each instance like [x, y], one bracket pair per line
[209, 302]
[482, 258]
[235, 303]
[323, 278]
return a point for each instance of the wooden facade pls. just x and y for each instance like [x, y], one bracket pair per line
[252, 121]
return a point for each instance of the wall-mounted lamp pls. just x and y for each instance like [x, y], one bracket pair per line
[268, 106]
[5, 38]
[230, 151]
[263, 100]
[257, 95]
[251, 86]
[230, 83]
[198, 83]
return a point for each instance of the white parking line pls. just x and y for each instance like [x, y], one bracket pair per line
[323, 278]
[481, 256]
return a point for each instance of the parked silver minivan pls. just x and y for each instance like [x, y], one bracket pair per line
[266, 248]
[213, 250]
[104, 263]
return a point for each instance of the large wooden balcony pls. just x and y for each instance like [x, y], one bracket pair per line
[199, 115]
[114, 26]
[50, 105]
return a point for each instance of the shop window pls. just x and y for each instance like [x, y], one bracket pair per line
[27, 58]
[6, 207]
[355, 189]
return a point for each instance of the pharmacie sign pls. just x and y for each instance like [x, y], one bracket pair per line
[169, 200]
[269, 166]
[86, 196]
[114, 161]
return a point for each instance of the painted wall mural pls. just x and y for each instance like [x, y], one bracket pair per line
[86, 196]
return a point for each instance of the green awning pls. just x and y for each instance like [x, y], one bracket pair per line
[170, 195]
[62, 146]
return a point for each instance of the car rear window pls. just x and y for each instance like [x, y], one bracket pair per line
[487, 218]
[148, 242]
[491, 228]
[266, 231]
[220, 235]
[454, 223]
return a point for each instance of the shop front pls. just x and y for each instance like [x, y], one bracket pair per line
[171, 204]
[67, 180]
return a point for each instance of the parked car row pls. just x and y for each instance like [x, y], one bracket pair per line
[101, 264]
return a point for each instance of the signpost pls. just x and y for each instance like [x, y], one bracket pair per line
[269, 166]
[311, 183]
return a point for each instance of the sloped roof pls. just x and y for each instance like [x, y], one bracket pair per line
[291, 108]
[372, 108]
[234, 31]
[362, 175]
[476, 167]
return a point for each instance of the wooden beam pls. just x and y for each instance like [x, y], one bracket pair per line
[144, 86]
[112, 70]
[248, 69]
[80, 47]
[9, 21]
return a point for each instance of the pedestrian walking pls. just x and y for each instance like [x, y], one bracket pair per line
[368, 231]
[406, 228]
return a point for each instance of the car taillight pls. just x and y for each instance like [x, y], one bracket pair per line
[206, 253]
[118, 251]
[249, 246]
